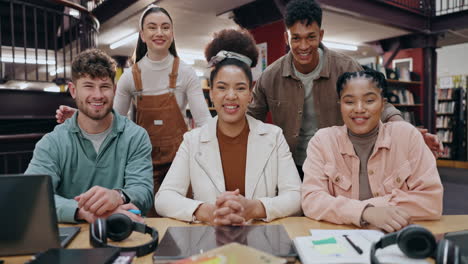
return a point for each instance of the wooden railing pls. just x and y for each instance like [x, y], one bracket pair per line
[39, 38]
[430, 7]
[444, 7]
[25, 116]
[417, 6]
[20, 151]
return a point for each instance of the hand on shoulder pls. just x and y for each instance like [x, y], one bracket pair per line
[433, 142]
[63, 113]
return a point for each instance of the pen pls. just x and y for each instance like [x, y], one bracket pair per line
[134, 211]
[358, 249]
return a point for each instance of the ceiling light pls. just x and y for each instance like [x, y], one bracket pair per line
[342, 46]
[130, 38]
[54, 89]
[74, 12]
[29, 60]
[59, 70]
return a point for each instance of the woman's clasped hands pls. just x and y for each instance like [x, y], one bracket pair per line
[230, 208]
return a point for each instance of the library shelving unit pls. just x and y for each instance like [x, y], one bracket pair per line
[408, 99]
[451, 121]
[206, 94]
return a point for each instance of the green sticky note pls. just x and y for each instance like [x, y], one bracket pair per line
[330, 240]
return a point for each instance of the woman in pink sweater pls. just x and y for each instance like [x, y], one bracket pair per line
[367, 172]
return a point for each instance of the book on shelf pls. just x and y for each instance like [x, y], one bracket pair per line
[446, 136]
[403, 96]
[447, 153]
[409, 116]
[444, 122]
[445, 107]
[445, 94]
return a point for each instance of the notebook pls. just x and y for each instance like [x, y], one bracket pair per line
[330, 246]
[28, 211]
[182, 242]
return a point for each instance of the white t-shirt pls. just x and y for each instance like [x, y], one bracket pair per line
[155, 80]
[309, 117]
[97, 139]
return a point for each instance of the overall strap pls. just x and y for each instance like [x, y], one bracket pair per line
[137, 77]
[174, 73]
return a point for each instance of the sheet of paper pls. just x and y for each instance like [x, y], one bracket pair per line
[319, 248]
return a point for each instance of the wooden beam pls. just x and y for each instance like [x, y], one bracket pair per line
[378, 12]
[453, 21]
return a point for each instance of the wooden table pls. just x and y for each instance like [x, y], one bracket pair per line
[295, 226]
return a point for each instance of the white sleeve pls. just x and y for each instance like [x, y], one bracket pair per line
[123, 95]
[196, 99]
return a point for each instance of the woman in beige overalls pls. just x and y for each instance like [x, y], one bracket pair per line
[160, 86]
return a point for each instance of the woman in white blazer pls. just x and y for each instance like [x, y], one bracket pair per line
[272, 183]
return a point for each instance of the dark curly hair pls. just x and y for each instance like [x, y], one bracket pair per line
[374, 76]
[93, 63]
[239, 41]
[304, 11]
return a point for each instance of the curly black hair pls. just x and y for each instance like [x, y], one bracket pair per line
[374, 76]
[304, 11]
[93, 63]
[239, 41]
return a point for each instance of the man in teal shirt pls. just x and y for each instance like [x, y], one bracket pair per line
[99, 161]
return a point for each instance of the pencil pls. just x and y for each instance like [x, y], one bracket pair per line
[356, 247]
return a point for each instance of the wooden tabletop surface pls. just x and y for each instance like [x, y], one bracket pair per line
[295, 226]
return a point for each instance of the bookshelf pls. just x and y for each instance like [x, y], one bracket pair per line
[451, 111]
[206, 93]
[406, 96]
[390, 81]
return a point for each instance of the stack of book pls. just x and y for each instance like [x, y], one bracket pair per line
[446, 108]
[445, 135]
[444, 122]
[445, 94]
[404, 96]
[409, 117]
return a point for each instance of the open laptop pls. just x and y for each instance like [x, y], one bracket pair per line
[28, 221]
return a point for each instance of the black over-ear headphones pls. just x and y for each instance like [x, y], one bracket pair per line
[417, 242]
[118, 227]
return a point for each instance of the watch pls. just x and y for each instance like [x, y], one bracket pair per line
[122, 195]
[363, 222]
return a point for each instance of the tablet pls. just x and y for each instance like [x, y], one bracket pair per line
[182, 242]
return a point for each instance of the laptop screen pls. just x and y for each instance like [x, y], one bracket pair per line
[28, 223]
